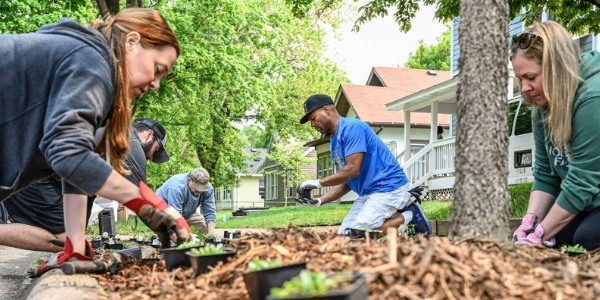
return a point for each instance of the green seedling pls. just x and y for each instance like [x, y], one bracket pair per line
[208, 250]
[307, 284]
[573, 249]
[257, 264]
[189, 245]
[410, 230]
[130, 245]
[105, 235]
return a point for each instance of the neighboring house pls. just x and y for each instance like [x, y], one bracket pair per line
[277, 192]
[250, 192]
[433, 166]
[368, 103]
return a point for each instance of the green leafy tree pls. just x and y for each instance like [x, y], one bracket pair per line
[290, 160]
[255, 136]
[432, 57]
[241, 60]
[578, 16]
[22, 16]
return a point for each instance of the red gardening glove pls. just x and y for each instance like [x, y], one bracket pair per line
[159, 216]
[57, 259]
[528, 224]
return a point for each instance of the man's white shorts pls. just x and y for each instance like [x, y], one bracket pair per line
[372, 210]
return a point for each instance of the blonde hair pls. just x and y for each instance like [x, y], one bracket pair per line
[154, 32]
[559, 55]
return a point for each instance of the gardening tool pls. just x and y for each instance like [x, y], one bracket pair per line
[305, 194]
[117, 262]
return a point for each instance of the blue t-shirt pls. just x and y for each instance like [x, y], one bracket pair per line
[380, 171]
[176, 192]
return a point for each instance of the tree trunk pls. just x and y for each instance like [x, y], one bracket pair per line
[482, 204]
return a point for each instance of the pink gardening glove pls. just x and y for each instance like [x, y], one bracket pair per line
[528, 224]
[537, 238]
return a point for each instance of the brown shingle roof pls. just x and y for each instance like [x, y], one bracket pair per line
[369, 101]
[410, 80]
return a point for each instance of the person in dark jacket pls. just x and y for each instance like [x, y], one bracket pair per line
[564, 89]
[36, 213]
[59, 85]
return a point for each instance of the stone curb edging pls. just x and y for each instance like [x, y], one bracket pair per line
[54, 285]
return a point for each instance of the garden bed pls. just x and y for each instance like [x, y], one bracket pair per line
[435, 268]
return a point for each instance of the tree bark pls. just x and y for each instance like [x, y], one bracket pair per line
[103, 8]
[482, 204]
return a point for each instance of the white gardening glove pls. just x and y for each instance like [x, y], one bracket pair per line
[309, 185]
[315, 202]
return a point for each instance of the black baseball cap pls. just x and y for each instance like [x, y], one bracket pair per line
[313, 103]
[161, 134]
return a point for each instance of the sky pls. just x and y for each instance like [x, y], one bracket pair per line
[380, 43]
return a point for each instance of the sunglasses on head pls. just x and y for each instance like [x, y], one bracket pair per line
[524, 40]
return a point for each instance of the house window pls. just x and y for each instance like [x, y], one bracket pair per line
[261, 188]
[271, 185]
[324, 169]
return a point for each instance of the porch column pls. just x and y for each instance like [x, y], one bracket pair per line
[434, 121]
[406, 135]
[434, 125]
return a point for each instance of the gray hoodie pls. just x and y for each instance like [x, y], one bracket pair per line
[57, 87]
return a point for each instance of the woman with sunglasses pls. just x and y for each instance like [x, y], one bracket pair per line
[59, 85]
[564, 89]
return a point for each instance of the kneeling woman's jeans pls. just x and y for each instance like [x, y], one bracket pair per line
[584, 230]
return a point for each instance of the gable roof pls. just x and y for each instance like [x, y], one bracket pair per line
[259, 155]
[386, 85]
[409, 80]
[369, 104]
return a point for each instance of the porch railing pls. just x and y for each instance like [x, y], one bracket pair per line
[437, 158]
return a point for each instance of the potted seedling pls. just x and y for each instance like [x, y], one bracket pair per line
[96, 241]
[361, 232]
[114, 243]
[317, 285]
[573, 250]
[208, 256]
[262, 275]
[212, 239]
[176, 257]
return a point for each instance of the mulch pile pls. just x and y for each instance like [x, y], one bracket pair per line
[426, 268]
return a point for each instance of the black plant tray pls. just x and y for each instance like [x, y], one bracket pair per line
[357, 291]
[114, 246]
[134, 252]
[175, 258]
[358, 233]
[201, 264]
[259, 283]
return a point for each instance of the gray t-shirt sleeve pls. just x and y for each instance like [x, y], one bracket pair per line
[136, 162]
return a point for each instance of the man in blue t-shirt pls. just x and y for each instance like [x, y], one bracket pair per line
[364, 165]
[186, 192]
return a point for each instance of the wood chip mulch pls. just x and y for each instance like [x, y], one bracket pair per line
[426, 268]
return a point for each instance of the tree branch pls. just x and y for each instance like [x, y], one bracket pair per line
[592, 2]
[104, 12]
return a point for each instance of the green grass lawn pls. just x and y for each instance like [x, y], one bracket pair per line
[331, 214]
[280, 217]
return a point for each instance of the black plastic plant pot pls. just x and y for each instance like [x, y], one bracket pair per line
[359, 233]
[114, 246]
[357, 291]
[96, 244]
[259, 283]
[573, 254]
[134, 252]
[202, 264]
[176, 258]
